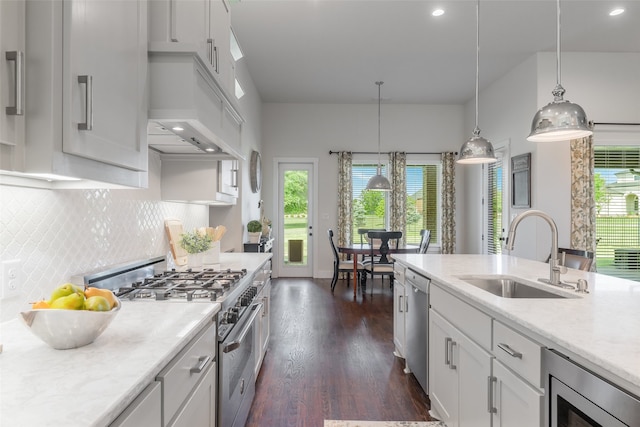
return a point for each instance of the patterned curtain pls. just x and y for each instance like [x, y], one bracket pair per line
[583, 206]
[398, 194]
[345, 190]
[448, 203]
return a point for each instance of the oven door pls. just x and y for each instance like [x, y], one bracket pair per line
[577, 397]
[236, 383]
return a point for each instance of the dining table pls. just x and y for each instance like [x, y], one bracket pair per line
[355, 249]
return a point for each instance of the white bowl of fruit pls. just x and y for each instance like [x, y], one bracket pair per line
[73, 317]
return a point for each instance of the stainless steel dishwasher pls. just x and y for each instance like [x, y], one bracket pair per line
[417, 326]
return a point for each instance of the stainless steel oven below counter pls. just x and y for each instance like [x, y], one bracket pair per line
[577, 397]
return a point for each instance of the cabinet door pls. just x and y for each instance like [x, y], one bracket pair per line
[12, 90]
[399, 307]
[104, 81]
[200, 408]
[443, 377]
[188, 21]
[145, 410]
[220, 34]
[515, 401]
[473, 364]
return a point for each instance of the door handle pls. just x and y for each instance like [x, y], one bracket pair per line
[400, 303]
[201, 365]
[18, 70]
[88, 106]
[511, 352]
[172, 20]
[451, 365]
[490, 399]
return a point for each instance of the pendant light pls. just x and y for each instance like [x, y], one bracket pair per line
[559, 120]
[477, 149]
[379, 182]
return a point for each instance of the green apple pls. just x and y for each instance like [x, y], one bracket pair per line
[65, 290]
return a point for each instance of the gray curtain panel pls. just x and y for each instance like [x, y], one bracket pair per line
[448, 203]
[583, 206]
[398, 194]
[345, 195]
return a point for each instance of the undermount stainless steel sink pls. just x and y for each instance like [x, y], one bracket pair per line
[509, 287]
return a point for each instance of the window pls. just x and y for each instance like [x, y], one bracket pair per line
[370, 208]
[423, 201]
[616, 191]
[494, 203]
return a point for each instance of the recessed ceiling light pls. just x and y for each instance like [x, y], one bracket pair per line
[210, 150]
[617, 11]
[437, 12]
[177, 128]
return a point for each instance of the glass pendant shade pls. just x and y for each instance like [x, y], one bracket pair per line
[559, 120]
[379, 182]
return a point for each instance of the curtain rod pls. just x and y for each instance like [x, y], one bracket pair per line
[389, 152]
[617, 124]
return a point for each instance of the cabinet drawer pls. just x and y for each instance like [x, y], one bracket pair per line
[474, 323]
[185, 370]
[518, 352]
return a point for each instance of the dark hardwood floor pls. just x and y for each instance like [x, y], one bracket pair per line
[331, 357]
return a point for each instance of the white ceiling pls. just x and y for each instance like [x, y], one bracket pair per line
[332, 51]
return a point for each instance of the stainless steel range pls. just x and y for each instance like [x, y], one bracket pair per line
[235, 290]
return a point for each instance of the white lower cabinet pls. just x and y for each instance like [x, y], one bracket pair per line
[516, 403]
[145, 410]
[199, 409]
[264, 326]
[399, 310]
[459, 374]
[475, 380]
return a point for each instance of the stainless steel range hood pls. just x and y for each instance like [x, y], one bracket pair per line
[189, 111]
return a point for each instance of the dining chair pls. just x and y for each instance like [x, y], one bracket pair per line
[425, 238]
[341, 266]
[377, 262]
[575, 258]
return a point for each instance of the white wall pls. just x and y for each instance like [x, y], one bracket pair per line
[311, 130]
[606, 85]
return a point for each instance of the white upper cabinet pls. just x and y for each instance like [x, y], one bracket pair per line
[12, 84]
[87, 90]
[203, 24]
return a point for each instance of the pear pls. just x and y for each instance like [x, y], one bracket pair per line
[97, 303]
[74, 301]
[91, 292]
[63, 291]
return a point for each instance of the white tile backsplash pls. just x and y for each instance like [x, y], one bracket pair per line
[60, 233]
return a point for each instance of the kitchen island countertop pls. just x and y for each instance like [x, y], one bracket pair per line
[92, 385]
[600, 330]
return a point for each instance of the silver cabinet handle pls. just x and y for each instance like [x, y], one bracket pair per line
[210, 44]
[216, 66]
[203, 360]
[511, 352]
[172, 20]
[447, 345]
[400, 303]
[451, 365]
[490, 399]
[18, 70]
[88, 106]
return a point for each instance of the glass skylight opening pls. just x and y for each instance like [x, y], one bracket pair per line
[617, 11]
[236, 52]
[239, 90]
[437, 12]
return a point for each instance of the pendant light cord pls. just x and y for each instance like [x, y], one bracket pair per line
[476, 130]
[558, 43]
[379, 100]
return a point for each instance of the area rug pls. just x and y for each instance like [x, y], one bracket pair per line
[353, 423]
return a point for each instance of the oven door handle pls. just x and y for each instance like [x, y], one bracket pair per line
[236, 343]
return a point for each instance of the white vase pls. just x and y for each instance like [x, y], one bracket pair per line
[254, 237]
[195, 260]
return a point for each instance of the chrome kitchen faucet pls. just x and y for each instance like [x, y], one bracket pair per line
[555, 267]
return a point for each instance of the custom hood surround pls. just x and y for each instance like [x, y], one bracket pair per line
[189, 112]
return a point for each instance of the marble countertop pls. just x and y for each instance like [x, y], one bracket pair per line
[92, 385]
[600, 330]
